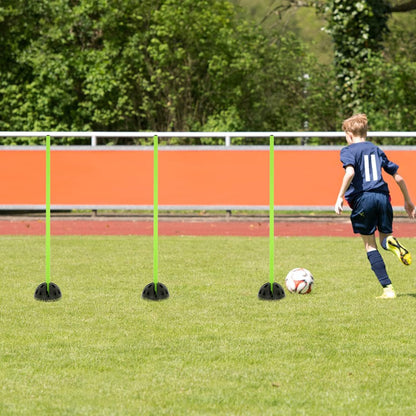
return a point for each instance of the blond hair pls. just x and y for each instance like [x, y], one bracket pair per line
[357, 125]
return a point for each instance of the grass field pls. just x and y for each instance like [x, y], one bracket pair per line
[212, 348]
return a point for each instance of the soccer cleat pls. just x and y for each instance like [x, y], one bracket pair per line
[388, 293]
[401, 252]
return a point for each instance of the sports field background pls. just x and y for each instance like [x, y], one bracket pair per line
[197, 225]
[212, 348]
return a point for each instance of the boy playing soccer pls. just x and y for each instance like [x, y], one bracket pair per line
[368, 196]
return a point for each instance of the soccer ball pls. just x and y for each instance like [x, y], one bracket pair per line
[299, 280]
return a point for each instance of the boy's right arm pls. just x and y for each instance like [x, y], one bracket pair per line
[408, 204]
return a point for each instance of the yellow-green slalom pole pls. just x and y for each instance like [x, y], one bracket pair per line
[48, 291]
[271, 290]
[155, 290]
[271, 213]
[48, 214]
[155, 211]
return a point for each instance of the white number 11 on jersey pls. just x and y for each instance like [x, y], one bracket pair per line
[370, 160]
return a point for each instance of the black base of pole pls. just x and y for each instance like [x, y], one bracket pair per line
[42, 294]
[150, 293]
[265, 292]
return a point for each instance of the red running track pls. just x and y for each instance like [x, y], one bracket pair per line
[254, 228]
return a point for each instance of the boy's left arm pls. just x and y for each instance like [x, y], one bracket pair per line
[346, 182]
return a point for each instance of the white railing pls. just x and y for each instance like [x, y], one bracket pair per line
[226, 135]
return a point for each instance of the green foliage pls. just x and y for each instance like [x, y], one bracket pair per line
[373, 68]
[167, 65]
[119, 65]
[391, 97]
[400, 45]
[357, 29]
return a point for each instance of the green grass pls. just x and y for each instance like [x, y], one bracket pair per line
[212, 348]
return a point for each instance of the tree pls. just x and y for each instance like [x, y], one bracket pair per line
[395, 6]
[357, 29]
[129, 65]
[369, 78]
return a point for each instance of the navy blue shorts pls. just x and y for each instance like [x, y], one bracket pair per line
[372, 211]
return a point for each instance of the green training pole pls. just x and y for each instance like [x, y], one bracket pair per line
[271, 290]
[48, 291]
[48, 213]
[155, 211]
[155, 290]
[271, 212]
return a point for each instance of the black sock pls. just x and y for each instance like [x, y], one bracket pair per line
[378, 267]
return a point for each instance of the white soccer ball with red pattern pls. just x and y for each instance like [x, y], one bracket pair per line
[299, 280]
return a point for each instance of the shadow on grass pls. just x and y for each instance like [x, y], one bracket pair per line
[412, 295]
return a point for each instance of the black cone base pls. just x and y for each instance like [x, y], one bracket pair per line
[41, 292]
[149, 292]
[265, 292]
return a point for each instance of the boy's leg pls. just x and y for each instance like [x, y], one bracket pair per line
[378, 266]
[390, 243]
[365, 217]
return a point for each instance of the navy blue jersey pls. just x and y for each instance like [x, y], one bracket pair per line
[368, 160]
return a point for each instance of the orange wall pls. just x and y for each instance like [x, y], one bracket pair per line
[229, 177]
